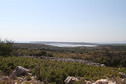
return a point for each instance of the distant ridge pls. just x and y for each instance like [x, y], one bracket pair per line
[114, 42]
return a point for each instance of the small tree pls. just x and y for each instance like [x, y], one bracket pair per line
[6, 48]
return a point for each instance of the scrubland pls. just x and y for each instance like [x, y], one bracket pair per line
[55, 72]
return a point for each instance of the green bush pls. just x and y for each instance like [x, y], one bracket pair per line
[6, 48]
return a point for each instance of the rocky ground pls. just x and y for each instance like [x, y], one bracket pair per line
[68, 60]
[21, 75]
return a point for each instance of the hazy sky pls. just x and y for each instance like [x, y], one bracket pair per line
[63, 20]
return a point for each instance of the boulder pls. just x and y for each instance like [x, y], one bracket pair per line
[104, 81]
[122, 75]
[71, 80]
[19, 71]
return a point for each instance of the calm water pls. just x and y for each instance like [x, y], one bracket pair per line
[71, 45]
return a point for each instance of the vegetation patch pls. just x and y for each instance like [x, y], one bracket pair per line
[54, 71]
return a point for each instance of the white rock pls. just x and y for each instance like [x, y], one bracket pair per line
[70, 80]
[103, 65]
[104, 81]
[123, 75]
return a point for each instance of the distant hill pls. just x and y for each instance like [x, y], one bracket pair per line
[52, 42]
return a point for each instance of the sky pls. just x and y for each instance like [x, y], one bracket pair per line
[63, 20]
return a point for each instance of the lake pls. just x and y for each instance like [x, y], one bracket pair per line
[69, 45]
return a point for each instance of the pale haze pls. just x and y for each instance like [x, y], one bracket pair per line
[63, 20]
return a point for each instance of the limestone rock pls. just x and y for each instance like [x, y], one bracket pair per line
[103, 65]
[104, 81]
[19, 71]
[122, 75]
[71, 80]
